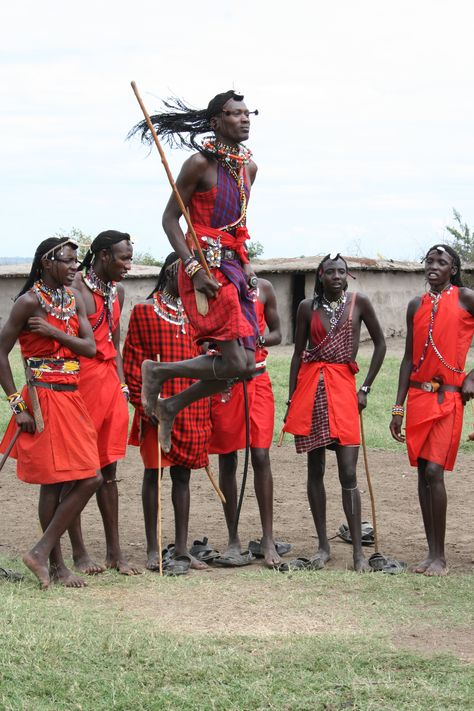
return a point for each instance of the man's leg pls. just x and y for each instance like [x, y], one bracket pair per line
[66, 511]
[228, 486]
[150, 515]
[212, 372]
[347, 465]
[82, 560]
[181, 498]
[107, 500]
[263, 484]
[317, 500]
[433, 503]
[49, 498]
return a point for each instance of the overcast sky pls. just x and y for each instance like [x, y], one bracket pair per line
[364, 139]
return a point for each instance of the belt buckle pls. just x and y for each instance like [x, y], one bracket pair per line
[213, 253]
[427, 386]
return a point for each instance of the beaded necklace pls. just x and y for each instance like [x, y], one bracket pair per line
[170, 309]
[108, 291]
[333, 307]
[339, 310]
[235, 164]
[435, 299]
[59, 302]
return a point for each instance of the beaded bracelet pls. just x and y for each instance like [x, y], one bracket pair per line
[125, 388]
[398, 410]
[14, 396]
[18, 406]
[188, 260]
[192, 268]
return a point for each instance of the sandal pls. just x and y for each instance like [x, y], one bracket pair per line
[367, 531]
[11, 575]
[234, 559]
[281, 548]
[203, 552]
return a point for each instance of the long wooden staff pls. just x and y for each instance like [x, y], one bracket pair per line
[35, 403]
[201, 299]
[215, 484]
[160, 555]
[9, 448]
[369, 482]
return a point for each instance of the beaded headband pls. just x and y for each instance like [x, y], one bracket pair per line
[70, 242]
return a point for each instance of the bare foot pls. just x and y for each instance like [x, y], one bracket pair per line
[122, 566]
[166, 424]
[66, 577]
[38, 568]
[361, 565]
[270, 555]
[197, 564]
[422, 567]
[153, 561]
[151, 386]
[437, 568]
[321, 555]
[86, 565]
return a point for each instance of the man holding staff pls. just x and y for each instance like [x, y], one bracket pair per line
[440, 326]
[50, 321]
[324, 405]
[103, 386]
[214, 185]
[160, 327]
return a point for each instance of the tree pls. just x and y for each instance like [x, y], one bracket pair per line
[463, 241]
[255, 249]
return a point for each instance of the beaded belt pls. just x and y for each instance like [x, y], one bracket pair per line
[55, 386]
[214, 253]
[53, 366]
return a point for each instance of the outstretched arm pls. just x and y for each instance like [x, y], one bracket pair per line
[406, 367]
[371, 321]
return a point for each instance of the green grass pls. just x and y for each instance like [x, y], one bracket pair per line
[90, 650]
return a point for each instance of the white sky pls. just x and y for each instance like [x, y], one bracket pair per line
[364, 140]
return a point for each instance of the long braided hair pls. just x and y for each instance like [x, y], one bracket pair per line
[104, 240]
[182, 119]
[47, 249]
[455, 279]
[318, 285]
[167, 271]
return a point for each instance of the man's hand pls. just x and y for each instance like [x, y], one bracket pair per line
[467, 392]
[361, 400]
[39, 325]
[25, 422]
[207, 286]
[396, 428]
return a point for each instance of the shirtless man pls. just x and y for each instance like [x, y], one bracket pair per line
[324, 405]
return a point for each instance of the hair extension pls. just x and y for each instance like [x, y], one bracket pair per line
[50, 245]
[164, 274]
[318, 286]
[104, 240]
[181, 119]
[455, 279]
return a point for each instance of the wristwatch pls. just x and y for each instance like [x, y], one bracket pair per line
[365, 389]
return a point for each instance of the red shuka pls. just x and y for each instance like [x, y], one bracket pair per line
[67, 448]
[150, 335]
[100, 387]
[228, 418]
[433, 428]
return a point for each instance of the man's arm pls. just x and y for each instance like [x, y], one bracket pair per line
[371, 321]
[116, 341]
[466, 299]
[406, 367]
[270, 310]
[303, 321]
[188, 181]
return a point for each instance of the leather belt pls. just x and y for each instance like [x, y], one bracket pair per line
[55, 386]
[432, 386]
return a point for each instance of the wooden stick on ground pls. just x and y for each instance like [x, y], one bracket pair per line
[160, 555]
[215, 484]
[369, 482]
[201, 299]
[9, 448]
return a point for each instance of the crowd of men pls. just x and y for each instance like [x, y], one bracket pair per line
[194, 362]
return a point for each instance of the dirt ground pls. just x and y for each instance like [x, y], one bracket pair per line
[399, 521]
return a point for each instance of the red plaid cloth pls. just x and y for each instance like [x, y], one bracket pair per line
[334, 411]
[148, 336]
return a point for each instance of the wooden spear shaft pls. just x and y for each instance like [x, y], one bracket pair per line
[369, 482]
[160, 554]
[177, 195]
[9, 448]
